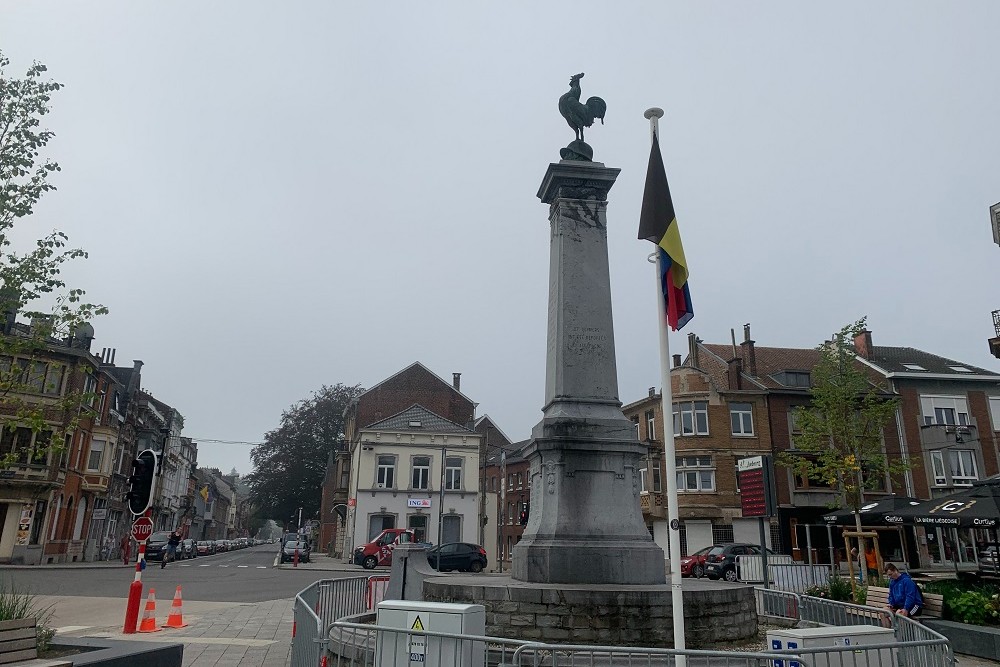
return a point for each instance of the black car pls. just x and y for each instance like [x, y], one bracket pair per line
[289, 549]
[458, 556]
[720, 563]
[187, 548]
[156, 545]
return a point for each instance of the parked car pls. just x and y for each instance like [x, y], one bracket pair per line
[693, 565]
[156, 545]
[460, 556]
[989, 560]
[187, 549]
[720, 562]
[205, 548]
[291, 547]
[379, 550]
[220, 546]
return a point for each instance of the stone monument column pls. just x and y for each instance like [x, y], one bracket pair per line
[585, 525]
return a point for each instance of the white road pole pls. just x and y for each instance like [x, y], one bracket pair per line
[676, 592]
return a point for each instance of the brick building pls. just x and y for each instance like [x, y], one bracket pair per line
[508, 487]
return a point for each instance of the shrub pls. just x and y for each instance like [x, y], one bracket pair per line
[965, 602]
[838, 589]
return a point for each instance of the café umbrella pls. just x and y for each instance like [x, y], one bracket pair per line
[872, 513]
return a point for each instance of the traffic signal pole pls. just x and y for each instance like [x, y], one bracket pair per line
[135, 590]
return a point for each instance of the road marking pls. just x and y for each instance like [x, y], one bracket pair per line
[204, 566]
[262, 567]
[223, 566]
[242, 566]
[185, 565]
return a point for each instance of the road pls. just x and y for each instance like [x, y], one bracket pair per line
[247, 575]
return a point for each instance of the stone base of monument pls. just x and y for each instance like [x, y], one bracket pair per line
[715, 613]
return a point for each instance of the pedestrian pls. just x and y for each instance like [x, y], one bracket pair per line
[856, 560]
[904, 596]
[172, 542]
[871, 563]
[126, 548]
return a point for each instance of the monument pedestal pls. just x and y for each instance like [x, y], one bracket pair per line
[585, 525]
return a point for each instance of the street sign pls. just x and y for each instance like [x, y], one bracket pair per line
[755, 476]
[142, 528]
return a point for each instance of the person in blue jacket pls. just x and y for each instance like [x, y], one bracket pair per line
[904, 596]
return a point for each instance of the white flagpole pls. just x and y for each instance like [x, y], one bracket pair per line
[673, 530]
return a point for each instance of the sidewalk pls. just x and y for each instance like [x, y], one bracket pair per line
[219, 634]
[79, 565]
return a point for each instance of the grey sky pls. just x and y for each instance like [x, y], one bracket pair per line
[281, 195]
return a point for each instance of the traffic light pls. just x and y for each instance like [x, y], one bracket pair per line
[140, 482]
[524, 514]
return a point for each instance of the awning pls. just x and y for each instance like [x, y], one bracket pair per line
[873, 513]
[975, 507]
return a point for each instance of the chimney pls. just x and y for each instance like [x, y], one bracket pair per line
[652, 392]
[733, 370]
[677, 361]
[456, 381]
[693, 351]
[863, 344]
[749, 355]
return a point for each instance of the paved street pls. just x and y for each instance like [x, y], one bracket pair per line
[238, 605]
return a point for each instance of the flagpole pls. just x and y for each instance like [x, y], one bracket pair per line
[669, 451]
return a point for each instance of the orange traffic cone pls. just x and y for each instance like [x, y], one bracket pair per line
[176, 617]
[148, 623]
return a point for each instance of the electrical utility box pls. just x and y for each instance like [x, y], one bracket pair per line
[854, 640]
[408, 646]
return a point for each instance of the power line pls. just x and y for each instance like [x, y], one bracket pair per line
[222, 442]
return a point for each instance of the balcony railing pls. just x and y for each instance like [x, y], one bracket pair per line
[947, 436]
[651, 504]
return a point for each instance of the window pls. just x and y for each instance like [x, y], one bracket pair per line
[453, 474]
[691, 418]
[741, 418]
[914, 367]
[960, 369]
[722, 533]
[963, 467]
[510, 480]
[635, 420]
[385, 474]
[695, 474]
[96, 455]
[995, 412]
[937, 468]
[650, 425]
[520, 481]
[798, 379]
[493, 483]
[949, 410]
[451, 528]
[657, 482]
[642, 480]
[421, 472]
[510, 513]
[26, 446]
[379, 522]
[418, 524]
[38, 519]
[345, 479]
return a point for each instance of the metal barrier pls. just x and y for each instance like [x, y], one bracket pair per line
[315, 608]
[831, 612]
[377, 586]
[930, 648]
[360, 645]
[782, 573]
[307, 629]
[777, 604]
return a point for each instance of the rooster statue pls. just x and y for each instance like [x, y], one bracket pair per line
[579, 115]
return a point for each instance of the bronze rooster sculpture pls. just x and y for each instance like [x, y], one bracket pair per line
[577, 114]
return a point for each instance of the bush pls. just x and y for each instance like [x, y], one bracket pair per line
[838, 589]
[17, 603]
[976, 604]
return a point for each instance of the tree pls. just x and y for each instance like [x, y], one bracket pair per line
[290, 465]
[840, 440]
[30, 281]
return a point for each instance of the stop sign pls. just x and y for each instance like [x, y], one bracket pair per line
[142, 528]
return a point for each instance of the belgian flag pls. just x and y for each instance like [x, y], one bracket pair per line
[658, 223]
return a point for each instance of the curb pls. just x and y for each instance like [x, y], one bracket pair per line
[68, 566]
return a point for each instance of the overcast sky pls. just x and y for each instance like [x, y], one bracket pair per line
[277, 196]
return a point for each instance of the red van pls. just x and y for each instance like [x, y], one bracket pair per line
[379, 550]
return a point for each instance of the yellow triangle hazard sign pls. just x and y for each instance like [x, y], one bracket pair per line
[417, 625]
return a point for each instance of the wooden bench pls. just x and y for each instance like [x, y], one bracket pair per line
[19, 645]
[933, 603]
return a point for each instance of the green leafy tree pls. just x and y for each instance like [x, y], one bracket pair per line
[30, 280]
[840, 441]
[290, 465]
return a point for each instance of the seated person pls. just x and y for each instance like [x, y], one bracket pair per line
[904, 596]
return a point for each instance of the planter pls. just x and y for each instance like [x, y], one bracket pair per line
[978, 640]
[18, 640]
